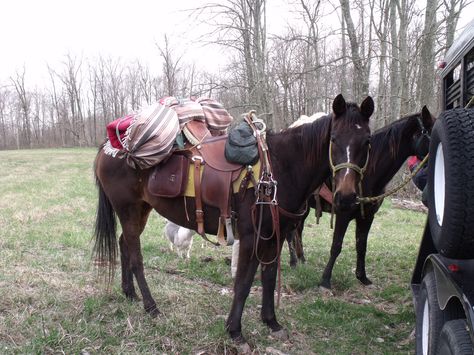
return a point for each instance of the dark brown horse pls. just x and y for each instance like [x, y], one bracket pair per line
[390, 147]
[300, 160]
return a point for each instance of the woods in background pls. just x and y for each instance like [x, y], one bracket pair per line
[386, 48]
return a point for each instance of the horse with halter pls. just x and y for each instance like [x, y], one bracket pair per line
[390, 147]
[300, 161]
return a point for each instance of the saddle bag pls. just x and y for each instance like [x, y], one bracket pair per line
[241, 146]
[169, 178]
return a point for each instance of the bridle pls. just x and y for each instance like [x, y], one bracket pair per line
[347, 165]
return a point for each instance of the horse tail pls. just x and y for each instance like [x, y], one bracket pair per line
[105, 233]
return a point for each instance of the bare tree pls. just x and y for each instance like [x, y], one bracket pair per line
[4, 96]
[241, 26]
[452, 10]
[359, 58]
[427, 74]
[24, 101]
[171, 68]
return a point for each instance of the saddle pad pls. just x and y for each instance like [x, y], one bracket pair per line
[169, 179]
[189, 191]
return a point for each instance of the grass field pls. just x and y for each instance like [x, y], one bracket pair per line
[52, 300]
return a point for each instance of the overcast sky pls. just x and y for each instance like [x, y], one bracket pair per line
[36, 32]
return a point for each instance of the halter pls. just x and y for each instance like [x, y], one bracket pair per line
[424, 134]
[346, 165]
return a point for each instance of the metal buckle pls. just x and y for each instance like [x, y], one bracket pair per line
[197, 157]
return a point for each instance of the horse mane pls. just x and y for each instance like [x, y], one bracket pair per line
[392, 133]
[310, 136]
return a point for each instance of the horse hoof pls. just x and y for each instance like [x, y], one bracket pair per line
[281, 334]
[325, 291]
[365, 281]
[153, 311]
[243, 348]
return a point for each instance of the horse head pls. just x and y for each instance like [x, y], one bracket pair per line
[349, 149]
[421, 137]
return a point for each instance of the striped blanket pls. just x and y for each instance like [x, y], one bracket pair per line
[151, 133]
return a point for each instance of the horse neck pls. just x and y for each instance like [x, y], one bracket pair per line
[298, 175]
[390, 160]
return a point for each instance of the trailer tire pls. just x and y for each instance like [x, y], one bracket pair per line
[455, 339]
[451, 184]
[429, 317]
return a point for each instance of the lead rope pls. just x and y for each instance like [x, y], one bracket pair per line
[363, 200]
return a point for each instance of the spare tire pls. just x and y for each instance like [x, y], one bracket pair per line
[451, 184]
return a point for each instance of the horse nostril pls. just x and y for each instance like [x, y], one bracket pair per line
[345, 201]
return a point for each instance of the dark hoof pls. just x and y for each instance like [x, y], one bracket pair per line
[281, 334]
[365, 281]
[153, 311]
[293, 264]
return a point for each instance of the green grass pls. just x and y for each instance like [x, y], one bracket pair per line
[52, 299]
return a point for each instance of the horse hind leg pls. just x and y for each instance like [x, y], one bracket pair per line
[127, 275]
[133, 220]
[292, 249]
[246, 267]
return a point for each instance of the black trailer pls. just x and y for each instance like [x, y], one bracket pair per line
[443, 279]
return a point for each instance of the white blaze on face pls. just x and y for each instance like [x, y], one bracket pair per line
[348, 155]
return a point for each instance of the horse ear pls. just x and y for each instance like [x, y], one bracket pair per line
[339, 105]
[367, 107]
[426, 117]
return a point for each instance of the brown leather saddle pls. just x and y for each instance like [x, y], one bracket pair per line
[213, 187]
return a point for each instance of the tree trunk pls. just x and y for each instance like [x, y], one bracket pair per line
[427, 72]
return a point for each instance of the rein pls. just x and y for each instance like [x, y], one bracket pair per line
[266, 193]
[346, 165]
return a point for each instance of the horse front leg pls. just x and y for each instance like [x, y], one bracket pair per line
[246, 268]
[133, 221]
[338, 237]
[269, 276]
[362, 233]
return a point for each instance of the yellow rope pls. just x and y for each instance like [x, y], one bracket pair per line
[392, 191]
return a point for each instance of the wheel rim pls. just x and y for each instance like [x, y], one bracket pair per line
[425, 328]
[439, 184]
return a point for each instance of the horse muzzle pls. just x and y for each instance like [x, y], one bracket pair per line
[344, 201]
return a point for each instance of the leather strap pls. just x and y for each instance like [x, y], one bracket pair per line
[197, 160]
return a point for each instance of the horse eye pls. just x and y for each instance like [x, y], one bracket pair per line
[333, 139]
